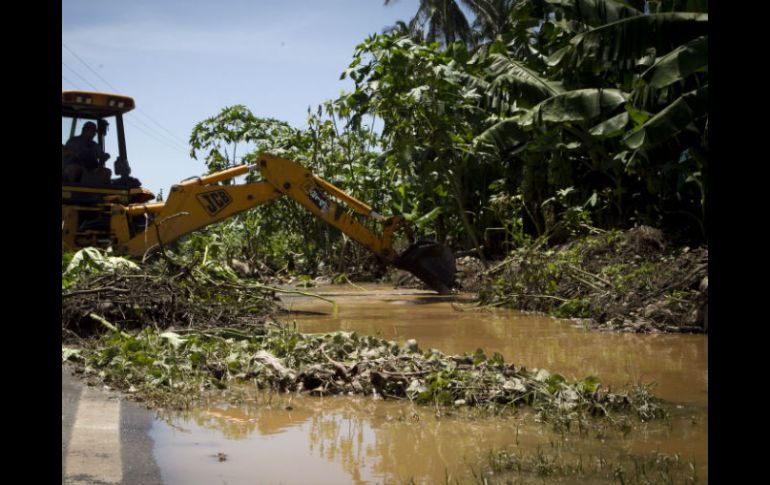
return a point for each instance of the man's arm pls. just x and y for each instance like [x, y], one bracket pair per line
[99, 154]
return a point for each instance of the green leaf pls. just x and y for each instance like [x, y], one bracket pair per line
[497, 47]
[554, 382]
[596, 12]
[479, 356]
[502, 135]
[623, 42]
[590, 384]
[671, 121]
[612, 127]
[557, 57]
[575, 106]
[639, 117]
[678, 64]
[428, 218]
[497, 359]
[520, 82]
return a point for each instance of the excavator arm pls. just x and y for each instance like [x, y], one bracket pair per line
[199, 202]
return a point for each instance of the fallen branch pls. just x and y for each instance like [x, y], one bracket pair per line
[294, 292]
[597, 277]
[540, 296]
[360, 288]
[96, 290]
[107, 324]
[587, 283]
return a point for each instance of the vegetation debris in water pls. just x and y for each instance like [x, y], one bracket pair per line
[178, 365]
[613, 280]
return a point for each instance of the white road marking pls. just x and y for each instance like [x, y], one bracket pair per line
[94, 449]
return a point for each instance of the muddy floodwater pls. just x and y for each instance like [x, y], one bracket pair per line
[303, 440]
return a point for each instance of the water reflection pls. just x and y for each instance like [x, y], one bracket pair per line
[290, 439]
[359, 440]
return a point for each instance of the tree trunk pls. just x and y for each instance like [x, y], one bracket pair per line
[457, 192]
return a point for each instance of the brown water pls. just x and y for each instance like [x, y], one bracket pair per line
[298, 440]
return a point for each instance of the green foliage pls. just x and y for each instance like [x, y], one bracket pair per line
[612, 279]
[438, 20]
[218, 137]
[678, 64]
[670, 121]
[283, 235]
[575, 308]
[486, 132]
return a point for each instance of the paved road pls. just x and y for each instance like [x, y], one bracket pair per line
[104, 440]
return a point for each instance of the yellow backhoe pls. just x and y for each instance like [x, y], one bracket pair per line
[118, 212]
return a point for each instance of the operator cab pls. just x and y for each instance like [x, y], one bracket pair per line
[86, 186]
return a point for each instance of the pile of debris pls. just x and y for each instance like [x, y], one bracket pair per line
[628, 281]
[160, 294]
[187, 363]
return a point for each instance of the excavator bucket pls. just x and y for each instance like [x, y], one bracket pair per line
[433, 263]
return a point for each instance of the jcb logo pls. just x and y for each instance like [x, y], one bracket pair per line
[318, 199]
[214, 201]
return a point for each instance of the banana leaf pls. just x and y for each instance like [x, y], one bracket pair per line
[671, 121]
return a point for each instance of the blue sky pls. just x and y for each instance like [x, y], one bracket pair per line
[183, 62]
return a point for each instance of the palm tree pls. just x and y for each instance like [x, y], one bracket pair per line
[438, 20]
[402, 29]
[493, 17]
